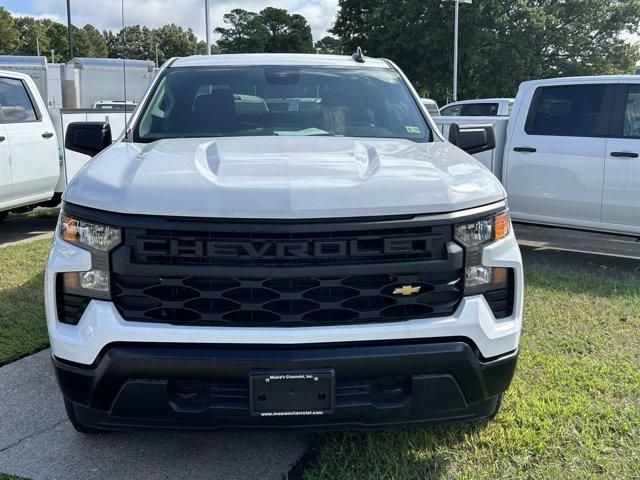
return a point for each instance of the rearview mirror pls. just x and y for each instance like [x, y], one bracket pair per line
[473, 138]
[89, 138]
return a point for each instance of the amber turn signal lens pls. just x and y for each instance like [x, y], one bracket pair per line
[499, 275]
[69, 228]
[501, 225]
[71, 280]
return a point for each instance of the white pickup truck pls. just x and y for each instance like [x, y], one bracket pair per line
[569, 154]
[282, 241]
[484, 107]
[30, 165]
[34, 168]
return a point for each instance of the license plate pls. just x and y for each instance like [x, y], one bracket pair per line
[300, 393]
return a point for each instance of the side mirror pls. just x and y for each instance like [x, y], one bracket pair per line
[89, 138]
[473, 138]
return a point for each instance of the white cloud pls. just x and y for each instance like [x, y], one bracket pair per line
[48, 16]
[106, 14]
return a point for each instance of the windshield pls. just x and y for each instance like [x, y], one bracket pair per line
[286, 101]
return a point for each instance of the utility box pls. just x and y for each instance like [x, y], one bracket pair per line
[88, 80]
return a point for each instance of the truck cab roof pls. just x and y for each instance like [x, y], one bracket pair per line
[583, 79]
[259, 59]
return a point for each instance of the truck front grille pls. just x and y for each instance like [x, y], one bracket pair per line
[284, 301]
[220, 273]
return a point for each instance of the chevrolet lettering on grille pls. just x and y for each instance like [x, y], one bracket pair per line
[285, 250]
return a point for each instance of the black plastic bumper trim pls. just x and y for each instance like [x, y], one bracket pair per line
[130, 386]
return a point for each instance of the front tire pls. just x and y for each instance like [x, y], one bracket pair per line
[79, 427]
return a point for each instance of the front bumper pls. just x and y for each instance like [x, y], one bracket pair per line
[377, 384]
[102, 325]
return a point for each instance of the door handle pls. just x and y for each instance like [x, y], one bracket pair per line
[624, 154]
[2, 139]
[525, 149]
[47, 135]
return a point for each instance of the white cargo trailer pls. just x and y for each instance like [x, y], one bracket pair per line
[35, 67]
[88, 80]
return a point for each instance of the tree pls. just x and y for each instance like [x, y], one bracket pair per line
[502, 42]
[246, 33]
[329, 45]
[57, 39]
[97, 45]
[287, 33]
[31, 31]
[9, 34]
[272, 30]
[174, 41]
[132, 42]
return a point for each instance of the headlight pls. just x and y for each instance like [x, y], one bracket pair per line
[483, 231]
[474, 236]
[99, 240]
[87, 234]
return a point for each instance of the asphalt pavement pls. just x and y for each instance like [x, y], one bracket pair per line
[21, 228]
[37, 441]
[573, 251]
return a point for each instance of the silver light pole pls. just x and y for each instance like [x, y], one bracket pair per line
[37, 45]
[206, 22]
[455, 44]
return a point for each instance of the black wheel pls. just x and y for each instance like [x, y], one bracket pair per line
[79, 427]
[3, 215]
[498, 405]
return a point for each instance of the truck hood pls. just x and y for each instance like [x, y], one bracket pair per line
[283, 177]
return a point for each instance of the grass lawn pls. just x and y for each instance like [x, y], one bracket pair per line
[22, 323]
[573, 411]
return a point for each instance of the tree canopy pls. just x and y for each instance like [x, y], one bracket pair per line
[18, 37]
[273, 30]
[9, 34]
[502, 42]
[329, 45]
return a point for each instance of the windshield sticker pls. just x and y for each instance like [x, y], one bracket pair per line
[302, 133]
[412, 129]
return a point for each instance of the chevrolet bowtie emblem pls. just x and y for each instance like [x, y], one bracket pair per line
[407, 290]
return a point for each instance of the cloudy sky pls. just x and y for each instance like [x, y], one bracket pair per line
[105, 14]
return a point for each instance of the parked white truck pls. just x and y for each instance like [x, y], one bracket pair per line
[34, 170]
[31, 172]
[569, 154]
[481, 107]
[336, 265]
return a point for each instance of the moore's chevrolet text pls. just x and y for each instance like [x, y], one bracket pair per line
[282, 241]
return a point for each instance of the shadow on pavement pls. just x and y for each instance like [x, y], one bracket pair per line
[568, 251]
[21, 228]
